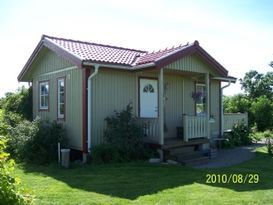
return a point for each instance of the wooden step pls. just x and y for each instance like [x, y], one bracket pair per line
[196, 158]
[181, 150]
[179, 143]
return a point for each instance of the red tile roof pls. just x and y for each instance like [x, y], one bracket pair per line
[154, 56]
[81, 53]
[93, 52]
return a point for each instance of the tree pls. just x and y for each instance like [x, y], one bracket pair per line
[271, 64]
[19, 102]
[237, 103]
[257, 84]
[262, 112]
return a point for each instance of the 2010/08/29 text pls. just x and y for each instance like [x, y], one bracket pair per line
[232, 178]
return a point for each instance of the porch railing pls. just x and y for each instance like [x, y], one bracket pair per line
[150, 128]
[232, 118]
[194, 127]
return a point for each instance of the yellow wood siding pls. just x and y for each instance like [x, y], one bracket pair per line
[47, 63]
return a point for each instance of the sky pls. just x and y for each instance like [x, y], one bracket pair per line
[237, 33]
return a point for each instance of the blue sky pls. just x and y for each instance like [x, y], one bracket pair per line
[237, 33]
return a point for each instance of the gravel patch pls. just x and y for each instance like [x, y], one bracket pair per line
[229, 157]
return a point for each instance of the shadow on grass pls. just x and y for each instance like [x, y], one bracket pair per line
[132, 180]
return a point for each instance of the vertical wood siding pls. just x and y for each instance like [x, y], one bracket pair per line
[111, 91]
[214, 105]
[191, 63]
[48, 62]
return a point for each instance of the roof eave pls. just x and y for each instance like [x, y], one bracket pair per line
[195, 48]
[55, 48]
[20, 77]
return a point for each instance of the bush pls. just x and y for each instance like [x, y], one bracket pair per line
[19, 136]
[9, 191]
[124, 138]
[262, 112]
[106, 153]
[240, 135]
[36, 141]
[269, 141]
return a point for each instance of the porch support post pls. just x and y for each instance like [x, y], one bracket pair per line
[207, 81]
[161, 108]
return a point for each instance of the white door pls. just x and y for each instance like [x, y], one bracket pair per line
[148, 93]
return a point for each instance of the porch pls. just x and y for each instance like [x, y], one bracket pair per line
[193, 129]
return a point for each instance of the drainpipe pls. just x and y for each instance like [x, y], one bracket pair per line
[89, 108]
[222, 108]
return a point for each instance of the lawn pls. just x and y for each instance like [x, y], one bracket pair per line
[143, 183]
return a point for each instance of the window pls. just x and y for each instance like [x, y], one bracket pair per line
[61, 98]
[43, 95]
[200, 103]
[148, 89]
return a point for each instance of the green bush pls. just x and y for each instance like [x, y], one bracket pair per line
[240, 135]
[124, 136]
[19, 136]
[36, 141]
[269, 141]
[9, 191]
[106, 153]
[262, 112]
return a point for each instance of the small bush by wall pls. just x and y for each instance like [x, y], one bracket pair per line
[239, 136]
[123, 139]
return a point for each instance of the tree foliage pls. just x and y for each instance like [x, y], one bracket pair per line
[262, 113]
[236, 104]
[257, 84]
[19, 102]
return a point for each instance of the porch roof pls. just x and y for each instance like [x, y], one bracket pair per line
[82, 53]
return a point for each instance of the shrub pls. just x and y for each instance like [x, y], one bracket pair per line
[269, 141]
[9, 191]
[240, 135]
[20, 135]
[262, 112]
[125, 136]
[106, 153]
[36, 141]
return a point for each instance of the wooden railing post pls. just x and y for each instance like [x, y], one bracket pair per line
[185, 127]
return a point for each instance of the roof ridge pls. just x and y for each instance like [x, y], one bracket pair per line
[95, 44]
[171, 49]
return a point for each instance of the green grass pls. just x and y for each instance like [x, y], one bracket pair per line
[143, 183]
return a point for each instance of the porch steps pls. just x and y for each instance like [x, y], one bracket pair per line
[186, 155]
[193, 159]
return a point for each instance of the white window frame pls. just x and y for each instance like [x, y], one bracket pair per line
[43, 95]
[59, 114]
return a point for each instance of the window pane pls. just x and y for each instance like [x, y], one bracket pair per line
[61, 109]
[46, 100]
[42, 101]
[61, 85]
[61, 98]
[46, 88]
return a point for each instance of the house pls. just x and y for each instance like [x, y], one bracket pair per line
[80, 83]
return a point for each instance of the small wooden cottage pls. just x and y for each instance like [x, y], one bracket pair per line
[176, 91]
